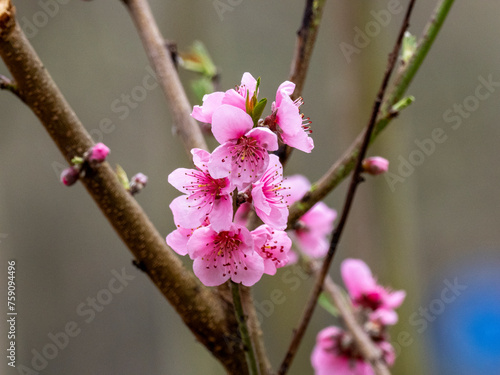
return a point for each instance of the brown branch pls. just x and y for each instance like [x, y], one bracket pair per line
[160, 58]
[199, 307]
[356, 179]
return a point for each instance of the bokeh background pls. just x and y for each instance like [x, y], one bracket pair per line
[432, 229]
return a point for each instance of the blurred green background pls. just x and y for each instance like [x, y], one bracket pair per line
[433, 232]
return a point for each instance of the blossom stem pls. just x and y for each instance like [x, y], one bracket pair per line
[345, 164]
[355, 180]
[244, 332]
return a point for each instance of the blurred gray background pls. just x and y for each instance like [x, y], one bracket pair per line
[434, 232]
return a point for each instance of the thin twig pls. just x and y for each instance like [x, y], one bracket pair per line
[160, 58]
[356, 179]
[306, 39]
[243, 328]
[345, 164]
[7, 84]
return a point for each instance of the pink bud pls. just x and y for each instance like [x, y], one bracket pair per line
[375, 165]
[140, 178]
[137, 183]
[98, 153]
[70, 175]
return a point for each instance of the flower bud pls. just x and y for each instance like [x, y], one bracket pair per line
[375, 165]
[99, 153]
[137, 183]
[70, 175]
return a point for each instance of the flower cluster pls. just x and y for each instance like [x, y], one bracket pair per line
[241, 173]
[335, 350]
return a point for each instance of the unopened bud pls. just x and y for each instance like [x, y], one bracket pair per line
[70, 175]
[137, 183]
[99, 153]
[375, 165]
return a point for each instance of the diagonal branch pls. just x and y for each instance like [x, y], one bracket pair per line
[159, 56]
[343, 166]
[202, 311]
[356, 179]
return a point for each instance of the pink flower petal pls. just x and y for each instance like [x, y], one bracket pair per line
[357, 277]
[210, 103]
[230, 123]
[225, 255]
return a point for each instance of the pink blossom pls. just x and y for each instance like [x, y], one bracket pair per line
[375, 165]
[99, 153]
[233, 97]
[205, 196]
[287, 120]
[224, 255]
[333, 354]
[366, 293]
[267, 197]
[313, 228]
[273, 246]
[210, 103]
[242, 155]
[237, 97]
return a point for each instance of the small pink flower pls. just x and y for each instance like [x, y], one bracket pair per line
[242, 155]
[206, 197]
[366, 293]
[237, 97]
[234, 97]
[224, 255]
[70, 175]
[267, 197]
[273, 246]
[313, 228]
[334, 354]
[375, 165]
[287, 120]
[99, 153]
